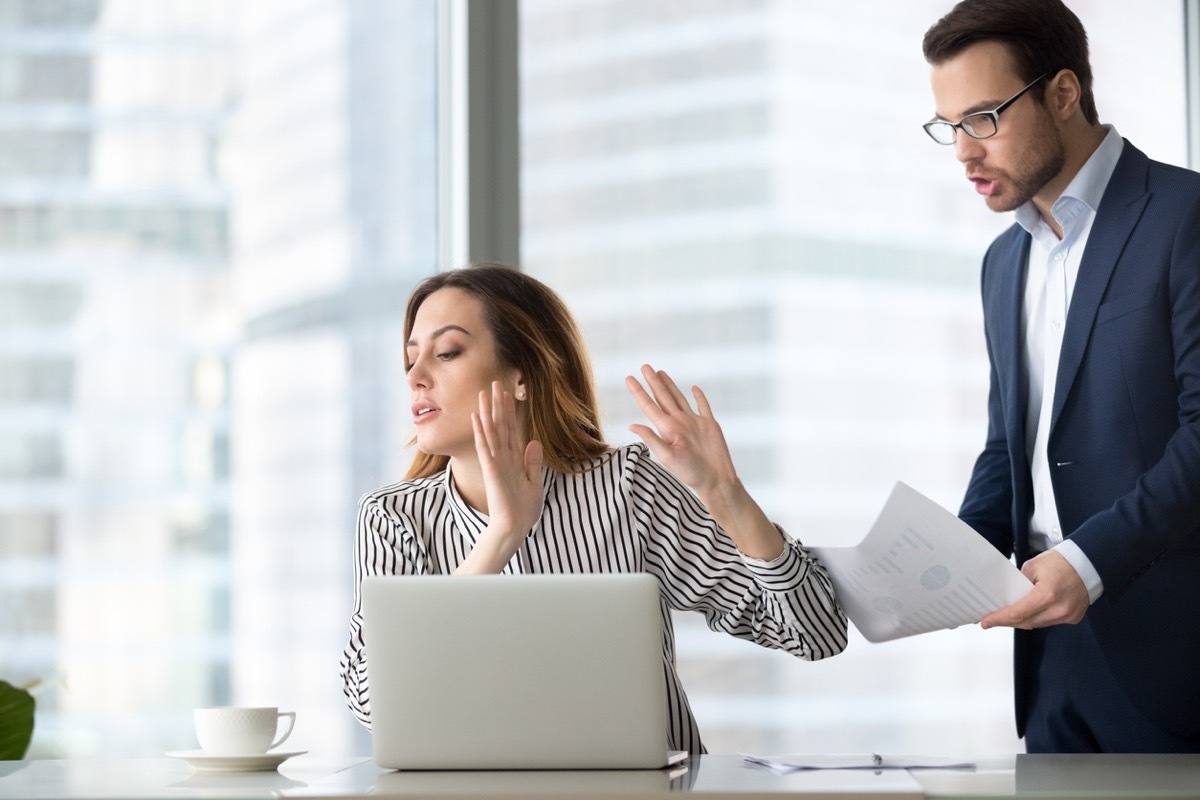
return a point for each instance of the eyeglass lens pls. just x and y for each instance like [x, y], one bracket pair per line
[979, 126]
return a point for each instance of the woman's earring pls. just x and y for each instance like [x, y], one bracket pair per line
[521, 395]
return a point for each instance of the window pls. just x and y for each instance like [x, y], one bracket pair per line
[211, 213]
[695, 183]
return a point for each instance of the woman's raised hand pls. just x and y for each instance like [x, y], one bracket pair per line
[512, 479]
[689, 443]
[512, 468]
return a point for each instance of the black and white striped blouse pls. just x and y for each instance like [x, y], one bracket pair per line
[628, 515]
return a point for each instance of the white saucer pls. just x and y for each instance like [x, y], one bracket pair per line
[257, 762]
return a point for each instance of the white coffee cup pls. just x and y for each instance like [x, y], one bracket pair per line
[241, 730]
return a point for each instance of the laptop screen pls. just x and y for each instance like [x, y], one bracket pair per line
[516, 671]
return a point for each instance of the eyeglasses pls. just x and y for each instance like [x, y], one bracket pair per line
[981, 124]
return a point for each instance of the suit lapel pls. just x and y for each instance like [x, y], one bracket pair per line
[1009, 349]
[1120, 208]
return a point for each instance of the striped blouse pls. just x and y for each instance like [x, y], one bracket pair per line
[629, 514]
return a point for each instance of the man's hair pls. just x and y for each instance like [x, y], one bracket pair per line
[535, 333]
[1042, 36]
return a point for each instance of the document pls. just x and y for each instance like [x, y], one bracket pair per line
[785, 764]
[919, 569]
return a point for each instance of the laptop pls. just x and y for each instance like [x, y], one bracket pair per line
[522, 672]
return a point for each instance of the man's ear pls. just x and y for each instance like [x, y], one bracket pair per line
[1063, 94]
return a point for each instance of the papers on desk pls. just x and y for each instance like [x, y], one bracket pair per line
[919, 569]
[786, 764]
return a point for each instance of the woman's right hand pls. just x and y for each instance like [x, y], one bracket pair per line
[512, 479]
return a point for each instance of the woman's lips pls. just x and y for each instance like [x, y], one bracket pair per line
[423, 412]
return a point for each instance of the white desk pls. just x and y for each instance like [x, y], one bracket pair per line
[711, 776]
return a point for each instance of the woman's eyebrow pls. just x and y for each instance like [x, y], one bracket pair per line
[439, 332]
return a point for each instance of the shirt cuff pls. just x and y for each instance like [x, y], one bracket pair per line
[1074, 555]
[783, 573]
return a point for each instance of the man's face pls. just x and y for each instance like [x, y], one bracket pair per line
[1028, 150]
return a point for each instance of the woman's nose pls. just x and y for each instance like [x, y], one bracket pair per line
[417, 377]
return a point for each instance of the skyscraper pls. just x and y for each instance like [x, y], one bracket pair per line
[114, 343]
[334, 221]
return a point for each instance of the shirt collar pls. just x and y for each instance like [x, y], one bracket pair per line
[1085, 190]
[470, 521]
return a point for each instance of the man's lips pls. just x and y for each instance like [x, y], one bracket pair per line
[985, 186]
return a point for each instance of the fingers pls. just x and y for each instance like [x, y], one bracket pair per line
[484, 425]
[1058, 596]
[702, 406]
[503, 411]
[1014, 616]
[668, 400]
[533, 460]
[666, 393]
[1026, 617]
[482, 449]
[495, 423]
[644, 401]
[646, 434]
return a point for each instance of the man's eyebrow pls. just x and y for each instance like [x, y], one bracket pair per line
[985, 105]
[439, 332]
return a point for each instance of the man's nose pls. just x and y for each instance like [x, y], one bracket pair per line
[967, 148]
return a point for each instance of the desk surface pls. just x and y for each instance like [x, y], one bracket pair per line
[1059, 776]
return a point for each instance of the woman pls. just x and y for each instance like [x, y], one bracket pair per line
[512, 475]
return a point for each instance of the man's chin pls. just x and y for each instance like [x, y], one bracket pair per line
[1001, 203]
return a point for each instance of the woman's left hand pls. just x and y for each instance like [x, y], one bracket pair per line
[689, 443]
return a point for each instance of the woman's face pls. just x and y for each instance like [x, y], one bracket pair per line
[452, 358]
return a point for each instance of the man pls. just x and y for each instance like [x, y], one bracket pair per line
[1091, 470]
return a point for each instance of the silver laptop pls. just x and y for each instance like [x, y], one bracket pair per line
[516, 672]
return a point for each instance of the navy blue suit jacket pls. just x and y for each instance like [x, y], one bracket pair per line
[1124, 444]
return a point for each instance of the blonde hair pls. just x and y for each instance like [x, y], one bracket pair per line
[535, 333]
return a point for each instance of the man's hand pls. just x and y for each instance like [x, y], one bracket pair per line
[1058, 596]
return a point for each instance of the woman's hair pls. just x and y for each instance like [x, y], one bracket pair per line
[1042, 36]
[535, 333]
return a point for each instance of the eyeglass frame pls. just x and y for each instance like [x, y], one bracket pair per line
[994, 114]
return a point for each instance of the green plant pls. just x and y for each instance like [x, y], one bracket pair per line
[16, 721]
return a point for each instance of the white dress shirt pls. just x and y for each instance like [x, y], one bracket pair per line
[627, 514]
[1049, 283]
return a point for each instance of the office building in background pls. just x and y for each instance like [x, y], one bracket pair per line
[115, 335]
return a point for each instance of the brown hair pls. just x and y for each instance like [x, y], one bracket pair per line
[1042, 36]
[535, 333]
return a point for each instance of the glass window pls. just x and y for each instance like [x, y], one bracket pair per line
[210, 216]
[696, 181]
[32, 77]
[211, 213]
[60, 15]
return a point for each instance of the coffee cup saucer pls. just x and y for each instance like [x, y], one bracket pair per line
[254, 762]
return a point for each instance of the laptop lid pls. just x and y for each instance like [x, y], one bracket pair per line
[516, 671]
